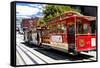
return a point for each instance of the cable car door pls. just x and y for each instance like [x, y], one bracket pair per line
[71, 36]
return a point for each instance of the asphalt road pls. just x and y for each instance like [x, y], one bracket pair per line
[31, 54]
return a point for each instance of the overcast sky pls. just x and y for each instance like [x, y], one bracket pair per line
[27, 10]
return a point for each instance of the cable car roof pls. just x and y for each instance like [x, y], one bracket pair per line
[69, 14]
[90, 18]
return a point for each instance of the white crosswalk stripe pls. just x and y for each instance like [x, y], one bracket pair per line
[26, 58]
[47, 59]
[39, 61]
[19, 60]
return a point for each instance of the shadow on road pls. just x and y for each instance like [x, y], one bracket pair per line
[58, 55]
[29, 45]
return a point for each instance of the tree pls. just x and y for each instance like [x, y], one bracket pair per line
[40, 22]
[56, 10]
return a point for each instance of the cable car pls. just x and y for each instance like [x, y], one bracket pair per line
[71, 32]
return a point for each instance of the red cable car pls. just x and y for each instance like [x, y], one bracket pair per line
[70, 32]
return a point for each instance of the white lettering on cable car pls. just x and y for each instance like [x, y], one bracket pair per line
[93, 42]
[56, 38]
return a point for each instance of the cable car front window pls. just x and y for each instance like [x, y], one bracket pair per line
[85, 28]
[93, 28]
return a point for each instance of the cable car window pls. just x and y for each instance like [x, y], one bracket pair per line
[63, 27]
[93, 28]
[71, 29]
[59, 27]
[85, 28]
[79, 27]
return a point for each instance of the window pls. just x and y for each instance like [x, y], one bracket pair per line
[79, 27]
[85, 28]
[93, 27]
[63, 27]
[71, 29]
[59, 27]
[82, 28]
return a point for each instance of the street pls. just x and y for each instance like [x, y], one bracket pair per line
[30, 54]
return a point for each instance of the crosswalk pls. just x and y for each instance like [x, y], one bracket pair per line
[26, 56]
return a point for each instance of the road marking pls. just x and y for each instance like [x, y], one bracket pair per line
[19, 59]
[44, 57]
[34, 61]
[39, 61]
[24, 56]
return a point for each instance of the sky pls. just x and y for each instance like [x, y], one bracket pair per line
[27, 10]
